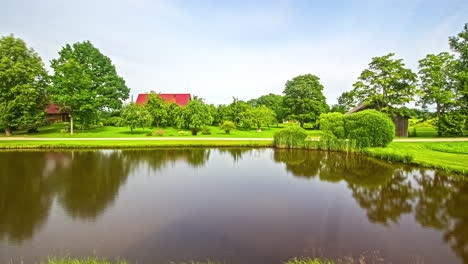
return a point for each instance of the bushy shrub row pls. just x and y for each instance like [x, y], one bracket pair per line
[290, 137]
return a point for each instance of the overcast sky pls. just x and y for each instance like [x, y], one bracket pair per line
[220, 49]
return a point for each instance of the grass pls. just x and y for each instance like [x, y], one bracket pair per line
[53, 131]
[81, 144]
[104, 261]
[447, 156]
[308, 261]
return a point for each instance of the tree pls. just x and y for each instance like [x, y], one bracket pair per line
[158, 108]
[233, 112]
[260, 116]
[459, 44]
[227, 126]
[437, 74]
[272, 101]
[195, 115]
[85, 81]
[386, 84]
[134, 116]
[346, 101]
[23, 85]
[304, 100]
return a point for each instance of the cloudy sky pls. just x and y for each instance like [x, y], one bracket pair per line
[220, 49]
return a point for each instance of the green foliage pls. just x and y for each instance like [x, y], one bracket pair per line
[134, 116]
[23, 85]
[85, 81]
[272, 101]
[290, 137]
[206, 131]
[227, 126]
[451, 123]
[332, 125]
[304, 100]
[234, 111]
[259, 116]
[194, 115]
[386, 84]
[112, 121]
[389, 155]
[332, 144]
[149, 134]
[459, 44]
[346, 101]
[369, 128]
[158, 108]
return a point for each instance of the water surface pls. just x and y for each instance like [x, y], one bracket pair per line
[240, 206]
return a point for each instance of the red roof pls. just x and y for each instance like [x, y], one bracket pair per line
[180, 99]
[54, 109]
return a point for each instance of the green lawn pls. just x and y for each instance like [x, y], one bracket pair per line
[448, 156]
[53, 131]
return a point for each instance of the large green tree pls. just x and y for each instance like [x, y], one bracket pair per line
[437, 82]
[195, 115]
[304, 100]
[158, 108]
[23, 85]
[233, 112]
[260, 116]
[386, 84]
[85, 81]
[459, 44]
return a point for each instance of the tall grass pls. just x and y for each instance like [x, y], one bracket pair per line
[389, 155]
[332, 144]
[82, 261]
[308, 261]
[290, 137]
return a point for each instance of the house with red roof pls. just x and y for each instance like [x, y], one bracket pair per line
[180, 99]
[55, 114]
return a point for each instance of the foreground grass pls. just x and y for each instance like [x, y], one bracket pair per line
[447, 156]
[53, 131]
[81, 144]
[308, 261]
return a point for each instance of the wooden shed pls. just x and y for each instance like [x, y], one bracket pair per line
[401, 122]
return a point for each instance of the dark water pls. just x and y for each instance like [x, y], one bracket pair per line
[239, 206]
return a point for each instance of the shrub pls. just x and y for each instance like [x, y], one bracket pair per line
[206, 131]
[149, 134]
[194, 131]
[451, 124]
[291, 137]
[112, 121]
[227, 126]
[160, 133]
[369, 128]
[332, 125]
[182, 133]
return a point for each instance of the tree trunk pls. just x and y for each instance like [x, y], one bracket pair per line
[7, 132]
[302, 124]
[157, 123]
[438, 119]
[71, 125]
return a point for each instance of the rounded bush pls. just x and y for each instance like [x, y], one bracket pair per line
[290, 137]
[369, 128]
[332, 125]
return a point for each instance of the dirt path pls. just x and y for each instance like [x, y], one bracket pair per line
[213, 138]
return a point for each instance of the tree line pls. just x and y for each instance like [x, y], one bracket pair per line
[86, 85]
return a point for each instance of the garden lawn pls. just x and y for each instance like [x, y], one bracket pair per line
[448, 156]
[53, 131]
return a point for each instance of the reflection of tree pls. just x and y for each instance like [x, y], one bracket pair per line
[25, 194]
[236, 153]
[159, 158]
[442, 205]
[91, 182]
[388, 202]
[300, 163]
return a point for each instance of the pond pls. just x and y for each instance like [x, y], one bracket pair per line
[239, 206]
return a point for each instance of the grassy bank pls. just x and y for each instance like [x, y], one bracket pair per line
[53, 131]
[447, 156]
[82, 144]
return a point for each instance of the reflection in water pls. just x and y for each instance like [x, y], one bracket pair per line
[86, 183]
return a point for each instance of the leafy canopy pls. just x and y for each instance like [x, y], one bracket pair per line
[23, 85]
[85, 80]
[386, 83]
[133, 116]
[346, 101]
[158, 108]
[304, 100]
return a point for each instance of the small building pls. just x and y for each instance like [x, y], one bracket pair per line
[55, 114]
[180, 99]
[401, 122]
